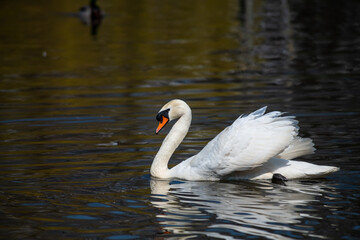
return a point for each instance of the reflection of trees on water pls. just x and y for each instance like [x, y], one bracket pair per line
[265, 41]
[259, 209]
[326, 35]
[283, 36]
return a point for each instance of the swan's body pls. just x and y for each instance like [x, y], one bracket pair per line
[255, 146]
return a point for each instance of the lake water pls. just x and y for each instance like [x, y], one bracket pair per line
[78, 107]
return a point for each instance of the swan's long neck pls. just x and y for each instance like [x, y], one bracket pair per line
[159, 167]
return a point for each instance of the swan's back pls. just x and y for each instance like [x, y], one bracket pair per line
[245, 145]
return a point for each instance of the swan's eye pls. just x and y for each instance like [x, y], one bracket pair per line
[165, 113]
[159, 117]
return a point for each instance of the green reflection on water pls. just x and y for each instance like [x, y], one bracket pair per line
[136, 40]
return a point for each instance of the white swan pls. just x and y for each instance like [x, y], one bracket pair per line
[255, 146]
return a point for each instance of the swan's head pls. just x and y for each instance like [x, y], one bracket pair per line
[171, 111]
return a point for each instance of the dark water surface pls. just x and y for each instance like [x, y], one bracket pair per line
[78, 107]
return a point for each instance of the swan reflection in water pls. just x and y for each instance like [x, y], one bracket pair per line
[226, 210]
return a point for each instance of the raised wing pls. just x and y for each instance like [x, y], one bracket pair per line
[248, 143]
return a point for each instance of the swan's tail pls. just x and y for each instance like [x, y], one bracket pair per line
[290, 169]
[297, 148]
[298, 169]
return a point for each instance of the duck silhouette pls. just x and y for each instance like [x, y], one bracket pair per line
[91, 15]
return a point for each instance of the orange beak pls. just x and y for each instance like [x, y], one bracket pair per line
[162, 123]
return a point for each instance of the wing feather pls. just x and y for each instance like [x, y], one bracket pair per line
[248, 143]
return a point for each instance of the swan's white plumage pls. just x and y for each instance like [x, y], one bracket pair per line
[255, 146]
